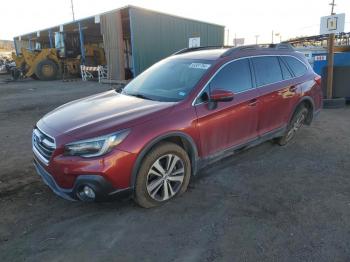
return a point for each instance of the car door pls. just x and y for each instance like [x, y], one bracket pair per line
[295, 84]
[274, 90]
[228, 123]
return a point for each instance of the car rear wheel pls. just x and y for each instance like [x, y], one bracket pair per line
[295, 124]
[164, 174]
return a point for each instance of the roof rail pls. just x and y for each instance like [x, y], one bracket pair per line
[262, 47]
[191, 49]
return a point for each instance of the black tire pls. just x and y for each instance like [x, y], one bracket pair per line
[297, 121]
[34, 76]
[146, 176]
[47, 70]
[15, 73]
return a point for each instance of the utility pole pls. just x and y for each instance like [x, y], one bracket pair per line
[333, 5]
[256, 39]
[330, 59]
[280, 36]
[228, 37]
[71, 1]
[272, 37]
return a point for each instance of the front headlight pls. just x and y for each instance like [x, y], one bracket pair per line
[95, 146]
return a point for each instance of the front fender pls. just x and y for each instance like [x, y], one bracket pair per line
[164, 137]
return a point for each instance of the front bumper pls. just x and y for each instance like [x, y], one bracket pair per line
[102, 188]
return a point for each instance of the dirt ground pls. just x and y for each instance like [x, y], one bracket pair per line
[268, 203]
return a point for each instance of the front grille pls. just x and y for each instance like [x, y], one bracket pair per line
[43, 145]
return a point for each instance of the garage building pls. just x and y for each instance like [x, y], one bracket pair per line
[133, 38]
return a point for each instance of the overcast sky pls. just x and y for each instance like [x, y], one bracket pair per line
[245, 18]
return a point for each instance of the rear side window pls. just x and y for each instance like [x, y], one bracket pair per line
[235, 77]
[297, 67]
[267, 70]
[285, 71]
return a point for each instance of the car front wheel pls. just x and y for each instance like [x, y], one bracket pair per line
[164, 174]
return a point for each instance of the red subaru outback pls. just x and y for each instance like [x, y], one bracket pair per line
[186, 111]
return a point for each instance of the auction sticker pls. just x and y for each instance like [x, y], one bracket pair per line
[199, 66]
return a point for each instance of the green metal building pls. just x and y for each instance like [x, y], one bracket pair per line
[155, 35]
[133, 38]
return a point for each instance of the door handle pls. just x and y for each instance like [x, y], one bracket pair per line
[292, 88]
[253, 102]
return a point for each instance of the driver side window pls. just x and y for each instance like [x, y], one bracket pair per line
[235, 77]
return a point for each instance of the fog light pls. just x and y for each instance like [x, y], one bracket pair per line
[89, 192]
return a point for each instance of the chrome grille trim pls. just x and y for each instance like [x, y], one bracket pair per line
[43, 145]
[38, 155]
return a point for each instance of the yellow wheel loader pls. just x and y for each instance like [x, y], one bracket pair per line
[46, 64]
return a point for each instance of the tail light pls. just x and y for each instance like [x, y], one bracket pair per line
[318, 80]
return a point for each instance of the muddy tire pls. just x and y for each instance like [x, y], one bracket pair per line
[294, 125]
[164, 174]
[47, 70]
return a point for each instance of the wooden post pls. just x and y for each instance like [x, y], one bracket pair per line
[330, 66]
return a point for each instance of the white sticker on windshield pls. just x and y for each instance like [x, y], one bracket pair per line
[199, 66]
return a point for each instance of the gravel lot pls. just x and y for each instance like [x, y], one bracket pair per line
[268, 203]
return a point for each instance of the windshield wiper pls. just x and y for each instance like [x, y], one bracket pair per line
[139, 96]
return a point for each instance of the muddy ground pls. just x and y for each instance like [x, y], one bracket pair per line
[268, 203]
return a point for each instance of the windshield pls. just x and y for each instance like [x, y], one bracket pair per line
[170, 80]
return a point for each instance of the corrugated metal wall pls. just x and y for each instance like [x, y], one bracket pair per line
[111, 30]
[156, 35]
[21, 44]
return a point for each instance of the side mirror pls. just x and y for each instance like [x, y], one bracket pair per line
[219, 95]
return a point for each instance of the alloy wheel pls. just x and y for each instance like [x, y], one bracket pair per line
[296, 126]
[165, 177]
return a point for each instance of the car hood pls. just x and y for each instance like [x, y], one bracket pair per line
[101, 114]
